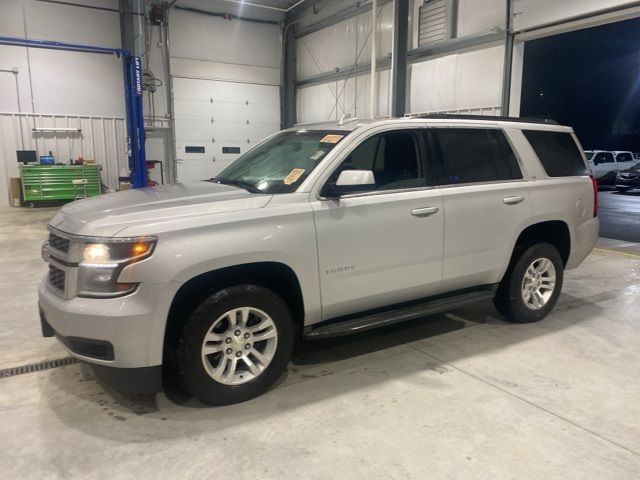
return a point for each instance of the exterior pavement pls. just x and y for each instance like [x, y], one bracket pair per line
[620, 214]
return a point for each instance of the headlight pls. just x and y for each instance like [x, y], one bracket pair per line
[102, 263]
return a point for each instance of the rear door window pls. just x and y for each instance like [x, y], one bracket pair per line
[473, 155]
[558, 153]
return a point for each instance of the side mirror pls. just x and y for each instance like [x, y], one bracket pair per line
[351, 181]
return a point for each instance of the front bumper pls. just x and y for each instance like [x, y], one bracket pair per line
[126, 332]
[143, 380]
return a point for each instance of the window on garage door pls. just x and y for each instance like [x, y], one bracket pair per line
[474, 155]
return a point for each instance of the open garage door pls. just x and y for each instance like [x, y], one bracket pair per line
[588, 79]
[216, 121]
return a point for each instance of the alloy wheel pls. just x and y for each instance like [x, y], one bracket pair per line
[539, 283]
[239, 346]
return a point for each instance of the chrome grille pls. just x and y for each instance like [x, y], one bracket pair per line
[59, 243]
[56, 277]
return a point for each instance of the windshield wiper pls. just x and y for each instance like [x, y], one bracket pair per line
[248, 186]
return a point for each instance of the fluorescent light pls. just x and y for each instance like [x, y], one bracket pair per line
[56, 129]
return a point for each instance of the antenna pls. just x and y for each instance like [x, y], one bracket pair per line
[346, 118]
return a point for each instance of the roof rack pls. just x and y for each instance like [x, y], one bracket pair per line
[452, 116]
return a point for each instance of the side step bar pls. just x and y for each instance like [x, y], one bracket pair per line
[381, 318]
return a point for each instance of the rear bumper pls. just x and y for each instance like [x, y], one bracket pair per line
[583, 240]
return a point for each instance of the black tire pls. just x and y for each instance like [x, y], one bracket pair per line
[190, 364]
[509, 299]
[623, 189]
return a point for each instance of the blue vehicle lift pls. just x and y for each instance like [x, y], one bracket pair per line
[132, 94]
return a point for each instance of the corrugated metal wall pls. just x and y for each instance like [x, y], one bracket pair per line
[340, 46]
[101, 138]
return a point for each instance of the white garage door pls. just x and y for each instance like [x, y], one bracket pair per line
[216, 121]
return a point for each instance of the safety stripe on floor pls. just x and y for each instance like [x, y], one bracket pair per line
[37, 367]
[616, 252]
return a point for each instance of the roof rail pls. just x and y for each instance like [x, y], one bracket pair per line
[453, 116]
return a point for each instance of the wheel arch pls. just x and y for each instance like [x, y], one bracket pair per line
[275, 276]
[554, 232]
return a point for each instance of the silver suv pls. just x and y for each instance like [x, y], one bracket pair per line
[319, 231]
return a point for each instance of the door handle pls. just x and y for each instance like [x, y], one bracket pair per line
[424, 212]
[513, 200]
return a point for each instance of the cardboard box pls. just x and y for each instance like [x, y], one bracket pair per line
[15, 188]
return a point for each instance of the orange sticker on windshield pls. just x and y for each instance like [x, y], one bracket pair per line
[331, 138]
[293, 176]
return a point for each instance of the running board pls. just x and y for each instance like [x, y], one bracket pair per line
[381, 318]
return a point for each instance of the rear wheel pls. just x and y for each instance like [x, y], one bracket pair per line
[235, 345]
[532, 285]
[623, 189]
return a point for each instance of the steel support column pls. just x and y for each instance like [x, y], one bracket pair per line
[288, 77]
[508, 62]
[132, 36]
[399, 57]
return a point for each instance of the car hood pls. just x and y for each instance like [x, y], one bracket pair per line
[109, 214]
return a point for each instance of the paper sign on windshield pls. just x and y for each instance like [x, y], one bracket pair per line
[293, 176]
[331, 138]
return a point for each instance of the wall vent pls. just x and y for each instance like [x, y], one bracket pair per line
[433, 22]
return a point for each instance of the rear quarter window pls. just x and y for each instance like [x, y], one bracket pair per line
[557, 152]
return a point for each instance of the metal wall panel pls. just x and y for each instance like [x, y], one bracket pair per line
[338, 46]
[535, 13]
[329, 101]
[201, 37]
[479, 16]
[102, 139]
[461, 81]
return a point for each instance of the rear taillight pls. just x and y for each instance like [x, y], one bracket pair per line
[595, 195]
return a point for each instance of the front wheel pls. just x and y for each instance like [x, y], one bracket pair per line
[235, 345]
[531, 286]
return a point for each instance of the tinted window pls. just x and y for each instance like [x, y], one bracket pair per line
[557, 152]
[471, 155]
[393, 158]
[603, 157]
[624, 157]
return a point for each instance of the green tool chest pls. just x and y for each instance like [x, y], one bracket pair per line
[59, 182]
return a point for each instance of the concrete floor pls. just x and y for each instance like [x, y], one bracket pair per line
[459, 395]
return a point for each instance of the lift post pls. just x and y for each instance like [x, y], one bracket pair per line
[135, 120]
[132, 90]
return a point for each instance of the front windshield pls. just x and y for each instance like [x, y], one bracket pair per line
[280, 164]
